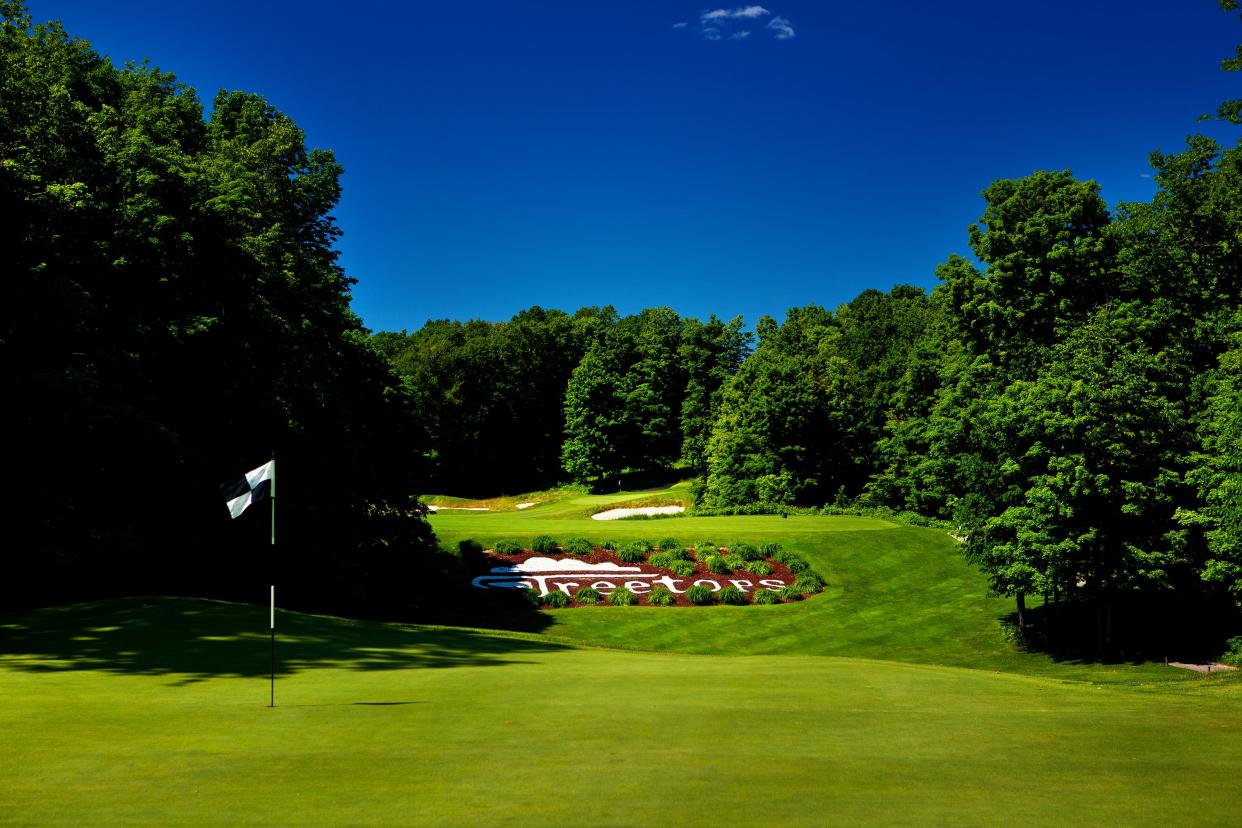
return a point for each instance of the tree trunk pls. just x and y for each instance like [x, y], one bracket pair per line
[1021, 601]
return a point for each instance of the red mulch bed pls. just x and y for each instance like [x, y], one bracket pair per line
[779, 572]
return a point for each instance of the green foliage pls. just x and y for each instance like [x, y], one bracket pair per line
[771, 550]
[632, 551]
[1233, 652]
[578, 546]
[622, 597]
[544, 545]
[808, 582]
[610, 545]
[747, 552]
[734, 561]
[766, 596]
[793, 563]
[703, 550]
[661, 597]
[664, 560]
[759, 567]
[669, 544]
[530, 596]
[587, 595]
[507, 547]
[789, 593]
[733, 596]
[556, 599]
[700, 595]
[682, 569]
[717, 565]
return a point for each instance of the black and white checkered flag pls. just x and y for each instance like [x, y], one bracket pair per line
[255, 486]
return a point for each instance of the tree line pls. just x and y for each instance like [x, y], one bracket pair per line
[1069, 399]
[174, 313]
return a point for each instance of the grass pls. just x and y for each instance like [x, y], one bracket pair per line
[892, 698]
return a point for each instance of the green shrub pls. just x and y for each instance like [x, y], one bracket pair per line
[682, 569]
[747, 552]
[661, 597]
[610, 545]
[700, 595]
[808, 582]
[632, 551]
[767, 596]
[588, 595]
[544, 545]
[733, 596]
[771, 550]
[530, 596]
[717, 565]
[507, 547]
[469, 548]
[734, 561]
[759, 567]
[662, 559]
[669, 543]
[578, 546]
[1233, 652]
[788, 594]
[796, 564]
[622, 598]
[704, 550]
[556, 599]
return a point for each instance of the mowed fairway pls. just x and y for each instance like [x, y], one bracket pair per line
[892, 698]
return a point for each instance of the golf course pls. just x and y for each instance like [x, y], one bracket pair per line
[892, 697]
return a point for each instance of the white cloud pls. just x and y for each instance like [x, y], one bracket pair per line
[711, 34]
[740, 13]
[781, 27]
[742, 35]
[681, 25]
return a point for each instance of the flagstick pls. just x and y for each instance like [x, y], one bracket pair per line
[272, 492]
[273, 623]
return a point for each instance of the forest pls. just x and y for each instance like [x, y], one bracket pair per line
[1068, 398]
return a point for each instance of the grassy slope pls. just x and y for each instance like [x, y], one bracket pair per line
[892, 698]
[132, 713]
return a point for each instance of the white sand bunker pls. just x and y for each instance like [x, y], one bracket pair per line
[527, 505]
[613, 514]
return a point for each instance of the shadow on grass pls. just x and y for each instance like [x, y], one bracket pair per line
[200, 639]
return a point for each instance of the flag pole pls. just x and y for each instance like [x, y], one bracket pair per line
[272, 618]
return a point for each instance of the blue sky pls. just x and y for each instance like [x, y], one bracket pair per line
[727, 159]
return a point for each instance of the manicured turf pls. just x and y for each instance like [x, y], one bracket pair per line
[893, 698]
[125, 713]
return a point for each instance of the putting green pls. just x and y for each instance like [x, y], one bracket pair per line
[155, 712]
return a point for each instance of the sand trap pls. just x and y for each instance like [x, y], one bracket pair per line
[1214, 667]
[459, 508]
[528, 505]
[613, 514]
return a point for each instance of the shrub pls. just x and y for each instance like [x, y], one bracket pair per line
[556, 599]
[1233, 652]
[587, 595]
[767, 596]
[796, 564]
[610, 545]
[530, 596]
[682, 569]
[578, 546]
[733, 596]
[717, 565]
[663, 560]
[788, 594]
[771, 550]
[700, 595]
[808, 582]
[632, 551]
[734, 561]
[759, 567]
[544, 545]
[622, 598]
[703, 549]
[747, 552]
[507, 547]
[669, 543]
[469, 548]
[661, 597]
